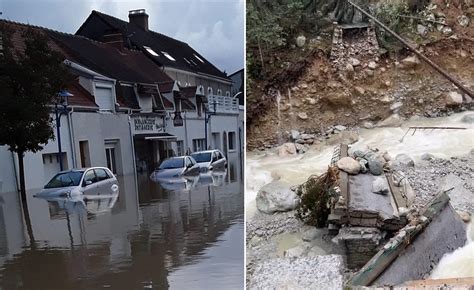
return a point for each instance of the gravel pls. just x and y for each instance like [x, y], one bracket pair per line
[265, 226]
[321, 272]
[429, 177]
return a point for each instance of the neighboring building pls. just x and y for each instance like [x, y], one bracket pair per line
[180, 61]
[125, 113]
[237, 90]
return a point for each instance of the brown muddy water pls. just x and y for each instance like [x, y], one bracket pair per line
[151, 236]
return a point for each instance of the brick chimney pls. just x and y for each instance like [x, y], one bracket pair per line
[139, 18]
[113, 38]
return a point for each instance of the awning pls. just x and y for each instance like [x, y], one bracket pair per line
[159, 136]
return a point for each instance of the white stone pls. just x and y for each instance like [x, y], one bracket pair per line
[303, 116]
[453, 99]
[300, 40]
[276, 197]
[393, 121]
[380, 185]
[354, 61]
[405, 160]
[349, 165]
[422, 30]
[411, 61]
[372, 65]
[463, 20]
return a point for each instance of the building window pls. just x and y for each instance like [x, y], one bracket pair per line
[227, 93]
[112, 156]
[231, 138]
[104, 98]
[209, 91]
[219, 92]
[180, 148]
[199, 145]
[85, 155]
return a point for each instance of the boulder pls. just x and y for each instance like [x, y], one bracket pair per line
[300, 41]
[468, 119]
[380, 186]
[354, 62]
[453, 99]
[376, 163]
[422, 30]
[295, 134]
[393, 121]
[410, 62]
[287, 149]
[349, 165]
[404, 160]
[465, 216]
[276, 197]
[427, 156]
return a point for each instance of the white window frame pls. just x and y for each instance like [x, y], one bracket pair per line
[102, 85]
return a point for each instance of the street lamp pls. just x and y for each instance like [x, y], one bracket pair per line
[60, 108]
[207, 117]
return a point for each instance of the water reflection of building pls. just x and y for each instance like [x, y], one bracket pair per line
[122, 248]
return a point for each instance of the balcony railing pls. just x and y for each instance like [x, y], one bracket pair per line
[223, 104]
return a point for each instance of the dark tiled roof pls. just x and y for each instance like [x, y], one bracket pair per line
[80, 96]
[123, 65]
[166, 87]
[126, 96]
[185, 57]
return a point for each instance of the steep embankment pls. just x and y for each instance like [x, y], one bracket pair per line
[359, 90]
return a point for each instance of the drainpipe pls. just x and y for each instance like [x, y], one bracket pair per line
[135, 177]
[71, 138]
[16, 173]
[185, 134]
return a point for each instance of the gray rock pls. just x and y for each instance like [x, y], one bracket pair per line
[463, 20]
[393, 121]
[340, 127]
[316, 251]
[372, 65]
[376, 164]
[348, 165]
[276, 197]
[354, 61]
[297, 251]
[395, 107]
[300, 41]
[427, 156]
[363, 165]
[410, 62]
[368, 125]
[404, 160]
[422, 30]
[380, 185]
[295, 134]
[468, 119]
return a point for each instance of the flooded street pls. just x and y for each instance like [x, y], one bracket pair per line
[150, 236]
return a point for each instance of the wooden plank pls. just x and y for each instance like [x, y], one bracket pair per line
[397, 244]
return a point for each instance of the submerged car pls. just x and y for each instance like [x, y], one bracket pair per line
[176, 167]
[210, 160]
[89, 181]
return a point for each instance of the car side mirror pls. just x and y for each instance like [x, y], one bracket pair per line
[87, 182]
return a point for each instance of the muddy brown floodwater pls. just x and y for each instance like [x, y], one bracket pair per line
[152, 236]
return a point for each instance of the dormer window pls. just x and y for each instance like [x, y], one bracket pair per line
[104, 97]
[168, 56]
[200, 59]
[150, 51]
[219, 92]
[209, 91]
[227, 93]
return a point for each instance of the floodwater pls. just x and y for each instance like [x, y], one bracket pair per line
[152, 236]
[261, 168]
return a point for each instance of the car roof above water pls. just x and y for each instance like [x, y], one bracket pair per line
[206, 151]
[83, 169]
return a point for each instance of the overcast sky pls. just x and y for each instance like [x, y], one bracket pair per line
[215, 28]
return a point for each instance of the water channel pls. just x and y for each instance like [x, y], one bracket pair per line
[151, 236]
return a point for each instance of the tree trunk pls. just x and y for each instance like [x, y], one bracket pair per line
[21, 168]
[24, 204]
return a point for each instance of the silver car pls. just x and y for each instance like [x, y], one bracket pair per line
[176, 167]
[89, 181]
[210, 160]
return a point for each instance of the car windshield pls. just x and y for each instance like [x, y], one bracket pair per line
[172, 163]
[202, 157]
[72, 178]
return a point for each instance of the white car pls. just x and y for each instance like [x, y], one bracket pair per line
[88, 181]
[210, 160]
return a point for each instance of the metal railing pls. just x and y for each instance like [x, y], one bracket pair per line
[222, 104]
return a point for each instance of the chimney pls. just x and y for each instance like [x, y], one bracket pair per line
[139, 18]
[113, 38]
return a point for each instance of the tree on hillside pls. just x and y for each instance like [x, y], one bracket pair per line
[29, 81]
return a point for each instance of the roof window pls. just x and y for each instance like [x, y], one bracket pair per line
[168, 56]
[200, 59]
[150, 51]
